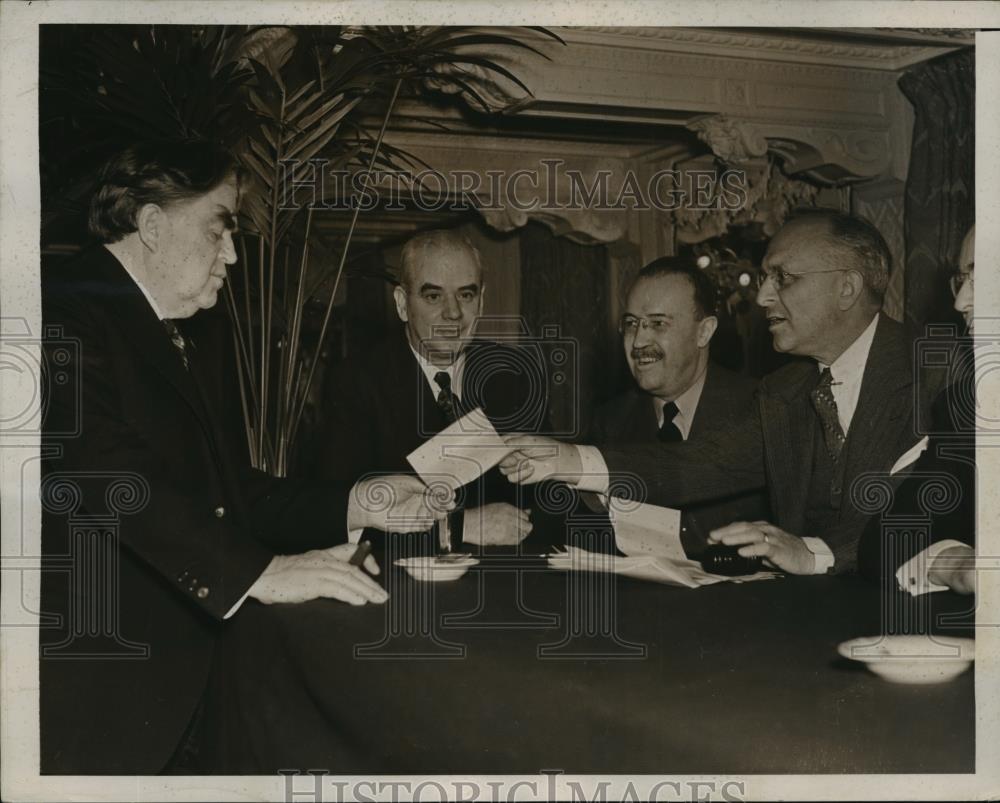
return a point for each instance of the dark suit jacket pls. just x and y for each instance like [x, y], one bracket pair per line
[378, 407]
[937, 494]
[726, 397]
[773, 445]
[140, 481]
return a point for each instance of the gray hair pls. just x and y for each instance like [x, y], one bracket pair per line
[437, 239]
[867, 249]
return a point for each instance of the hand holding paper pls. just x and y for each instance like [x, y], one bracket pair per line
[460, 453]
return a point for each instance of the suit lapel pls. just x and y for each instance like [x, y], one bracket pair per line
[885, 398]
[788, 422]
[144, 332]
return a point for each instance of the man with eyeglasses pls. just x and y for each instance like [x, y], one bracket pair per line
[680, 393]
[817, 426]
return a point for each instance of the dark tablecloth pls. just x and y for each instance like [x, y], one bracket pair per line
[586, 674]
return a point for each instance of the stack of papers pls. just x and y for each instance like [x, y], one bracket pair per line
[669, 571]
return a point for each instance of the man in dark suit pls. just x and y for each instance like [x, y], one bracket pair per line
[934, 504]
[680, 394]
[386, 402]
[817, 426]
[155, 529]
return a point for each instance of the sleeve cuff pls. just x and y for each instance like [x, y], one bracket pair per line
[821, 553]
[236, 607]
[593, 470]
[913, 577]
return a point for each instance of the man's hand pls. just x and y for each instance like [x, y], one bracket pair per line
[397, 503]
[320, 573]
[761, 539]
[955, 567]
[497, 524]
[534, 458]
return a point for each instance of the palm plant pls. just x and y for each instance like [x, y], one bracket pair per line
[279, 96]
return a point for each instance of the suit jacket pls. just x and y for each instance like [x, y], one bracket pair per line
[725, 398]
[139, 480]
[938, 490]
[772, 446]
[379, 407]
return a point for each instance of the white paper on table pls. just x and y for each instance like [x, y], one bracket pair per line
[910, 456]
[460, 453]
[642, 529]
[686, 573]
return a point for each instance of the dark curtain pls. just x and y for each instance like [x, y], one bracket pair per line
[564, 289]
[940, 185]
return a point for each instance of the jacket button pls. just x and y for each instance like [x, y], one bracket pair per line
[220, 511]
[201, 593]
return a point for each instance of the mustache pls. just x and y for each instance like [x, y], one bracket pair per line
[646, 351]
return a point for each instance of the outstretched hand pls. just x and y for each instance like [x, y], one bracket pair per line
[534, 458]
[398, 503]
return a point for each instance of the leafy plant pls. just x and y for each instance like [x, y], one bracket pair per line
[279, 96]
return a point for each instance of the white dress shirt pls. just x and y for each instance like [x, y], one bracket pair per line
[455, 371]
[687, 404]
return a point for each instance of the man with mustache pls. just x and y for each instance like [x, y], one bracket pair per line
[155, 529]
[817, 425]
[680, 393]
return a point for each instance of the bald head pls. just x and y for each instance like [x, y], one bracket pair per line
[424, 248]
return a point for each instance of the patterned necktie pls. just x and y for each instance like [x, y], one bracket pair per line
[177, 339]
[446, 400]
[826, 409]
[669, 433]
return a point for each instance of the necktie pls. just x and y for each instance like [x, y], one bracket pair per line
[669, 433]
[177, 339]
[446, 400]
[826, 409]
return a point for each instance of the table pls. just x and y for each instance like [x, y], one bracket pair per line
[730, 678]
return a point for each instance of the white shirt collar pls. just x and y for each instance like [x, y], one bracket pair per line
[687, 404]
[847, 371]
[455, 371]
[138, 284]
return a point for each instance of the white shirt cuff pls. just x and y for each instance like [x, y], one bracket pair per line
[593, 470]
[236, 607]
[821, 553]
[913, 576]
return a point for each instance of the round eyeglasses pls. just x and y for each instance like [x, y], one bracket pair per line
[782, 278]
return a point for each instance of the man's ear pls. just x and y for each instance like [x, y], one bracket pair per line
[399, 296]
[706, 328]
[150, 223]
[852, 289]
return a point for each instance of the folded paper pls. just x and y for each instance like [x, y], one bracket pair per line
[460, 453]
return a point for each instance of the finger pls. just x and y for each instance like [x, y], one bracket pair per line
[757, 550]
[511, 462]
[362, 585]
[371, 565]
[522, 472]
[512, 438]
[720, 533]
[741, 537]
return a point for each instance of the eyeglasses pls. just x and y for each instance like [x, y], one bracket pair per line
[780, 277]
[629, 325]
[958, 280]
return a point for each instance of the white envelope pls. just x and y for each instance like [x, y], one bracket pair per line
[642, 529]
[460, 453]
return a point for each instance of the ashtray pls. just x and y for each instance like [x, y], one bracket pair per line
[439, 568]
[912, 659]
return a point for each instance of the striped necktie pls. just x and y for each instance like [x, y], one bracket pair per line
[177, 339]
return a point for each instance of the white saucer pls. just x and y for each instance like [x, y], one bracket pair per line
[435, 569]
[912, 659]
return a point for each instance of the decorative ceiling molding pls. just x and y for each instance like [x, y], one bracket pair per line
[792, 44]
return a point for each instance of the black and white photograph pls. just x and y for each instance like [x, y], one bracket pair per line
[444, 401]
